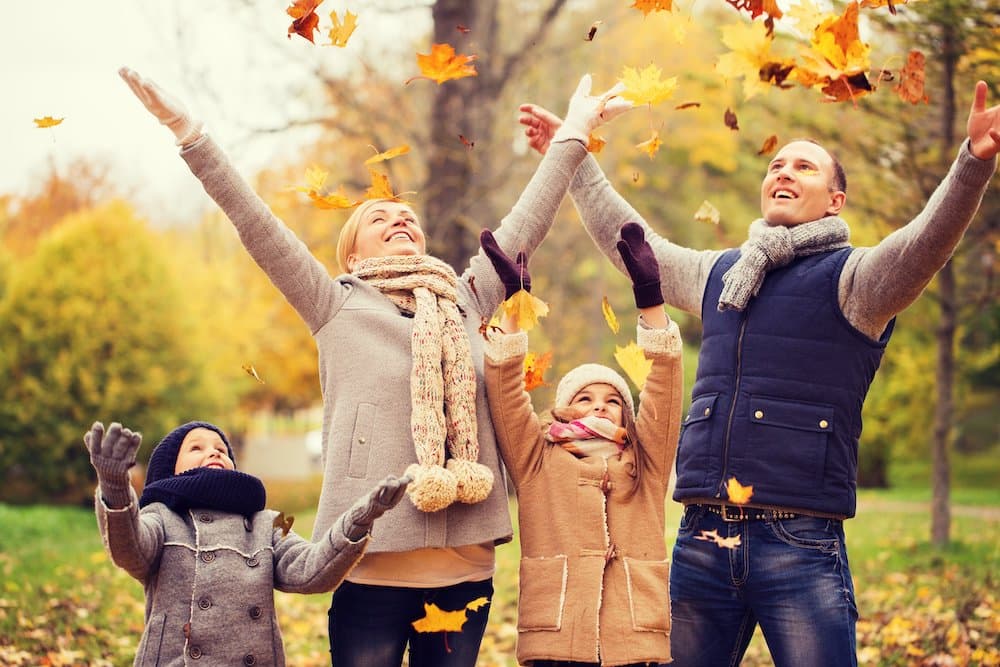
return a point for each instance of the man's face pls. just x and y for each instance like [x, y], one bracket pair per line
[798, 186]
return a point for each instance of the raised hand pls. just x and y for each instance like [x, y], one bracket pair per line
[540, 126]
[587, 112]
[641, 264]
[513, 274]
[112, 454]
[357, 521]
[168, 110]
[983, 126]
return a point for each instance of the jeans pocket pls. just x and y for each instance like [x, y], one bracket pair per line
[542, 593]
[648, 594]
[690, 519]
[808, 532]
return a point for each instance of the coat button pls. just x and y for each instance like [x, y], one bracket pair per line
[708, 411]
[361, 441]
[194, 652]
[823, 423]
[248, 659]
[207, 557]
[205, 603]
[205, 518]
[759, 414]
[256, 612]
[252, 561]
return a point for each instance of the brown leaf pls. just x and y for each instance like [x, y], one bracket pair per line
[911, 79]
[305, 21]
[592, 31]
[730, 119]
[769, 145]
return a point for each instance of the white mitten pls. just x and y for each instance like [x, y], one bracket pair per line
[167, 110]
[587, 112]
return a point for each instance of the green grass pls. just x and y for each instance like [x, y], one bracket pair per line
[63, 603]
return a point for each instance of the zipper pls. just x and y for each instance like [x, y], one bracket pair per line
[732, 403]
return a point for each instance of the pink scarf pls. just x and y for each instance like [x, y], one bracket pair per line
[588, 436]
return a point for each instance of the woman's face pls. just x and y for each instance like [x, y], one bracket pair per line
[390, 228]
[600, 400]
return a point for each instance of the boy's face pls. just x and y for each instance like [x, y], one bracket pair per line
[599, 400]
[203, 448]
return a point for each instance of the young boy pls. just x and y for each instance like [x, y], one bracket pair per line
[207, 552]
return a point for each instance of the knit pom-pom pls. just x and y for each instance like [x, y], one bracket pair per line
[433, 488]
[475, 481]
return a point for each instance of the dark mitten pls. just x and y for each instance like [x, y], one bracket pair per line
[112, 454]
[513, 274]
[357, 521]
[642, 266]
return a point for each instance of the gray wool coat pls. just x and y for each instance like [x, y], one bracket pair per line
[209, 579]
[365, 357]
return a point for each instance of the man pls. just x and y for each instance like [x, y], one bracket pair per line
[795, 322]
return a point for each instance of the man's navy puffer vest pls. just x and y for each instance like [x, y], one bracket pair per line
[778, 395]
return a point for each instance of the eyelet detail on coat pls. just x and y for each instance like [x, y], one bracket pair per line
[253, 561]
[248, 659]
[205, 518]
[205, 603]
[256, 612]
[207, 557]
[195, 652]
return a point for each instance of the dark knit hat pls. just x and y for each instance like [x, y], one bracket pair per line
[164, 457]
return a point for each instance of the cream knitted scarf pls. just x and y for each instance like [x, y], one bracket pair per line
[442, 380]
[771, 247]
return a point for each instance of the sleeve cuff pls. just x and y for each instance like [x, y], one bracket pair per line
[969, 168]
[501, 347]
[659, 341]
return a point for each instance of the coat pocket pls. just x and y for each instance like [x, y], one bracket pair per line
[542, 595]
[788, 441]
[648, 594]
[695, 442]
[149, 648]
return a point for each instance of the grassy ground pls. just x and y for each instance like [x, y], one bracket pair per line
[63, 603]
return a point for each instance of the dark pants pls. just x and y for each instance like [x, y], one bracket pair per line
[370, 626]
[567, 663]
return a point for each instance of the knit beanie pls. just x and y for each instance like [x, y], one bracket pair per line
[164, 458]
[586, 374]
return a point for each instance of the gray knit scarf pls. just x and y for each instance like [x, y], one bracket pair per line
[771, 247]
[442, 380]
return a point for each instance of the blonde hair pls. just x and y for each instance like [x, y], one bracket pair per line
[349, 232]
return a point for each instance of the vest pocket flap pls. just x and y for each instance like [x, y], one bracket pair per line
[816, 417]
[543, 593]
[648, 594]
[702, 408]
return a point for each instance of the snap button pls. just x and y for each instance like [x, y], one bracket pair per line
[708, 411]
[205, 603]
[252, 561]
[207, 557]
[205, 518]
[687, 418]
[194, 652]
[361, 440]
[246, 524]
[248, 659]
[256, 612]
[759, 414]
[823, 423]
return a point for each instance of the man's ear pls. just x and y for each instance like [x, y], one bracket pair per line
[837, 201]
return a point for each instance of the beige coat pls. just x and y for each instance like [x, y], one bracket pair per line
[594, 580]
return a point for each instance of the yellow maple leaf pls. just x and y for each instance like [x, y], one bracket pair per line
[647, 6]
[315, 179]
[252, 372]
[806, 16]
[341, 32]
[634, 362]
[650, 146]
[402, 149]
[477, 604]
[436, 620]
[737, 493]
[336, 201]
[534, 369]
[443, 64]
[595, 143]
[47, 121]
[646, 86]
[750, 58]
[525, 309]
[609, 315]
[707, 213]
[837, 59]
[380, 188]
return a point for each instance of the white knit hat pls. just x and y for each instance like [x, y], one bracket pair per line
[585, 374]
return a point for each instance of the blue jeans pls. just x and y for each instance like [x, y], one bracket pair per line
[370, 626]
[789, 575]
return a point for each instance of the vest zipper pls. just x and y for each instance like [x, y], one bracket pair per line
[732, 403]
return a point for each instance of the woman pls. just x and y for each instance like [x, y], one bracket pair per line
[399, 313]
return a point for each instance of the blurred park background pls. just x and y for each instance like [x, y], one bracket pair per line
[132, 300]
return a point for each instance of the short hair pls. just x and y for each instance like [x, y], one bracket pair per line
[349, 232]
[839, 177]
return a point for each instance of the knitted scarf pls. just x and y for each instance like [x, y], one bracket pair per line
[588, 436]
[442, 380]
[207, 488]
[771, 247]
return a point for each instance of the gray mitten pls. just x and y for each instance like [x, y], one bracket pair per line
[112, 454]
[357, 521]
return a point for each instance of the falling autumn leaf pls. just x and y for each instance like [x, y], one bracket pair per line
[465, 141]
[837, 59]
[47, 121]
[707, 213]
[283, 522]
[437, 620]
[737, 493]
[750, 58]
[443, 64]
[875, 4]
[592, 31]
[252, 372]
[722, 542]
[525, 309]
[305, 21]
[609, 315]
[389, 154]
[757, 7]
[687, 105]
[647, 6]
[315, 184]
[651, 145]
[477, 604]
[534, 370]
[341, 32]
[730, 120]
[634, 362]
[595, 144]
[646, 86]
[769, 145]
[911, 79]
[380, 188]
[463, 29]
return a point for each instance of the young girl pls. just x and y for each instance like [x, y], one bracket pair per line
[591, 485]
[208, 554]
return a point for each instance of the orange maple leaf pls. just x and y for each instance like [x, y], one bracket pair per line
[443, 64]
[380, 188]
[647, 6]
[737, 493]
[837, 59]
[47, 121]
[758, 7]
[769, 145]
[651, 145]
[911, 79]
[437, 620]
[534, 370]
[595, 143]
[525, 309]
[305, 21]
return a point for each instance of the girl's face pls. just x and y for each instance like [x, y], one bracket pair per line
[202, 448]
[600, 400]
[390, 228]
